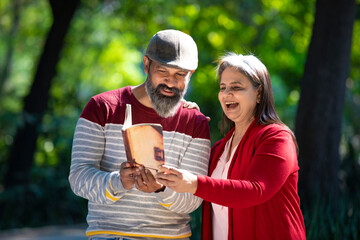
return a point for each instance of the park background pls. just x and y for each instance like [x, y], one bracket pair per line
[55, 55]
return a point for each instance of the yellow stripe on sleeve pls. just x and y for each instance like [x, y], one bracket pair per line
[165, 205]
[108, 195]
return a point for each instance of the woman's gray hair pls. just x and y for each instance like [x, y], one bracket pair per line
[259, 76]
[249, 65]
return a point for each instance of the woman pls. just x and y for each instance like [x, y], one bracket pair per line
[251, 190]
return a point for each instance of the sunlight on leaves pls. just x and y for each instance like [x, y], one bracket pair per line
[192, 10]
[258, 19]
[216, 39]
[224, 21]
[177, 22]
[294, 97]
[120, 64]
[48, 146]
[273, 35]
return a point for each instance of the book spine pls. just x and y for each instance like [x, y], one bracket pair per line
[129, 156]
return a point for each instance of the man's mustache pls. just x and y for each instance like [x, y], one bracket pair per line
[170, 89]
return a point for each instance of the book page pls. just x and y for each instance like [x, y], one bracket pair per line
[144, 144]
[128, 117]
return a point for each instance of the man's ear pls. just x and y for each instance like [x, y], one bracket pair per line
[146, 64]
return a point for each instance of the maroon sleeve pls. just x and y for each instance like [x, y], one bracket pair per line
[201, 128]
[94, 111]
[274, 160]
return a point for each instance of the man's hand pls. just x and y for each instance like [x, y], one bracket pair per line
[177, 179]
[145, 181]
[127, 175]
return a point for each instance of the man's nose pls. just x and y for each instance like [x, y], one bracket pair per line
[170, 81]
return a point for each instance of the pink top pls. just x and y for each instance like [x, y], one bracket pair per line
[219, 212]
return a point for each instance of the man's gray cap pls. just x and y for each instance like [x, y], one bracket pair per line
[173, 48]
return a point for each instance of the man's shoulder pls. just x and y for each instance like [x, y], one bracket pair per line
[105, 107]
[192, 114]
[192, 122]
[113, 96]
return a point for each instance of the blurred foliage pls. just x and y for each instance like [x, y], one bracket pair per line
[104, 50]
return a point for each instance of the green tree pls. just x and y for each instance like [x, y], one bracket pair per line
[320, 111]
[5, 68]
[35, 103]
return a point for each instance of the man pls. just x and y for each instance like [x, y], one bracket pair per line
[125, 202]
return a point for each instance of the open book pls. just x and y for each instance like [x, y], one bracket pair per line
[144, 144]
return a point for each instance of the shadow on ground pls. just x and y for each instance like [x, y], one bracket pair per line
[75, 232]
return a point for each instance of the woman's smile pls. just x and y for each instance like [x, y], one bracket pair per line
[237, 96]
[231, 105]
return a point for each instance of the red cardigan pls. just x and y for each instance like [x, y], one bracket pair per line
[261, 189]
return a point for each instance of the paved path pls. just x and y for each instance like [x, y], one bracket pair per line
[75, 232]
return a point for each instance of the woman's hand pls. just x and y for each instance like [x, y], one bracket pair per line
[190, 105]
[193, 105]
[177, 179]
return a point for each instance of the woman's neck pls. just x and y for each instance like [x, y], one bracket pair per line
[240, 129]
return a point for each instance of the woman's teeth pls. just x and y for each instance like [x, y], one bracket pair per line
[231, 104]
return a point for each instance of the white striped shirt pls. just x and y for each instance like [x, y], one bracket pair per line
[98, 152]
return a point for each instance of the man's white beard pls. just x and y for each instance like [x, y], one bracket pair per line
[165, 106]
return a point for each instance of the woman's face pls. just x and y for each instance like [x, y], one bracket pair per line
[237, 96]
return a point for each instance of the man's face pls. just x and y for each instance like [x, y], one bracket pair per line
[166, 88]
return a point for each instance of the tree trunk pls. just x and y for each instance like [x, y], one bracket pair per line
[35, 103]
[320, 110]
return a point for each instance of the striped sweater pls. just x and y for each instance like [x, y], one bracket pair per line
[98, 151]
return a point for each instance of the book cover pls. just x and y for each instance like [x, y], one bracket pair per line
[144, 143]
